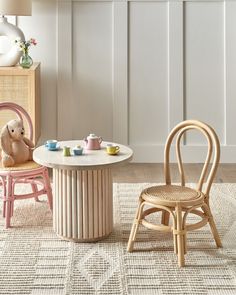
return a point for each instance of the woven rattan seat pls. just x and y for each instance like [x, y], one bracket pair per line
[170, 193]
[24, 166]
[178, 201]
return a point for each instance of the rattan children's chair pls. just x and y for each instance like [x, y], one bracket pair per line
[29, 172]
[178, 201]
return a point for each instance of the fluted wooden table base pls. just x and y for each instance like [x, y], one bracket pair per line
[82, 204]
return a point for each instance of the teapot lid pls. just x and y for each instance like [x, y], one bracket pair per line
[92, 136]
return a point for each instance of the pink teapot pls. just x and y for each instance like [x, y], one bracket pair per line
[92, 142]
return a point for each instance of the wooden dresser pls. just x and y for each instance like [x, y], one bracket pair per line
[21, 86]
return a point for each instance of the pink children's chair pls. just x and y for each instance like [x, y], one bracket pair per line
[29, 172]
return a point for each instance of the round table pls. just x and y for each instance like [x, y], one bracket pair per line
[82, 190]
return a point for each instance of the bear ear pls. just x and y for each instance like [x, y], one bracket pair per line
[6, 140]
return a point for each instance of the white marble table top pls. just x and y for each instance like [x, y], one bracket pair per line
[90, 159]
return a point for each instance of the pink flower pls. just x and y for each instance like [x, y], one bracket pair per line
[24, 45]
[33, 41]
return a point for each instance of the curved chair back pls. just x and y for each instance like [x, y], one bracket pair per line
[21, 114]
[213, 145]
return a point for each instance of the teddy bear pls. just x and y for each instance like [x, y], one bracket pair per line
[16, 148]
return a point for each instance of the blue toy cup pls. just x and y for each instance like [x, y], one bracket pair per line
[78, 151]
[51, 143]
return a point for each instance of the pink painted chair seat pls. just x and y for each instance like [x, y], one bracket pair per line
[26, 173]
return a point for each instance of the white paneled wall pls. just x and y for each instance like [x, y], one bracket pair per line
[204, 64]
[148, 73]
[130, 70]
[92, 69]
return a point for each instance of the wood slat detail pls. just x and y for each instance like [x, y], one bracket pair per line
[83, 204]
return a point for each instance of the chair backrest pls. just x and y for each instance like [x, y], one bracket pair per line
[213, 146]
[21, 114]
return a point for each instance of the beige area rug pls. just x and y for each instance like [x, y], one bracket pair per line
[33, 260]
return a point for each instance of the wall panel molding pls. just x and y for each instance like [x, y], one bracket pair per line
[175, 64]
[165, 61]
[64, 70]
[120, 71]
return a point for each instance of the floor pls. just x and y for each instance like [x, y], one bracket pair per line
[139, 172]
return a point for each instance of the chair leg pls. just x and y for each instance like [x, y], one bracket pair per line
[4, 198]
[11, 208]
[175, 243]
[5, 202]
[134, 228]
[211, 221]
[35, 190]
[185, 243]
[48, 188]
[4, 208]
[165, 217]
[9, 201]
[180, 235]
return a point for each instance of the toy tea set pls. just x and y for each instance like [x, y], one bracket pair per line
[92, 142]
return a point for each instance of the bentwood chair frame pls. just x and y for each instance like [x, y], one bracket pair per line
[179, 201]
[31, 172]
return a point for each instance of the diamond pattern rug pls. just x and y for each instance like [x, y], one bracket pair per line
[33, 260]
